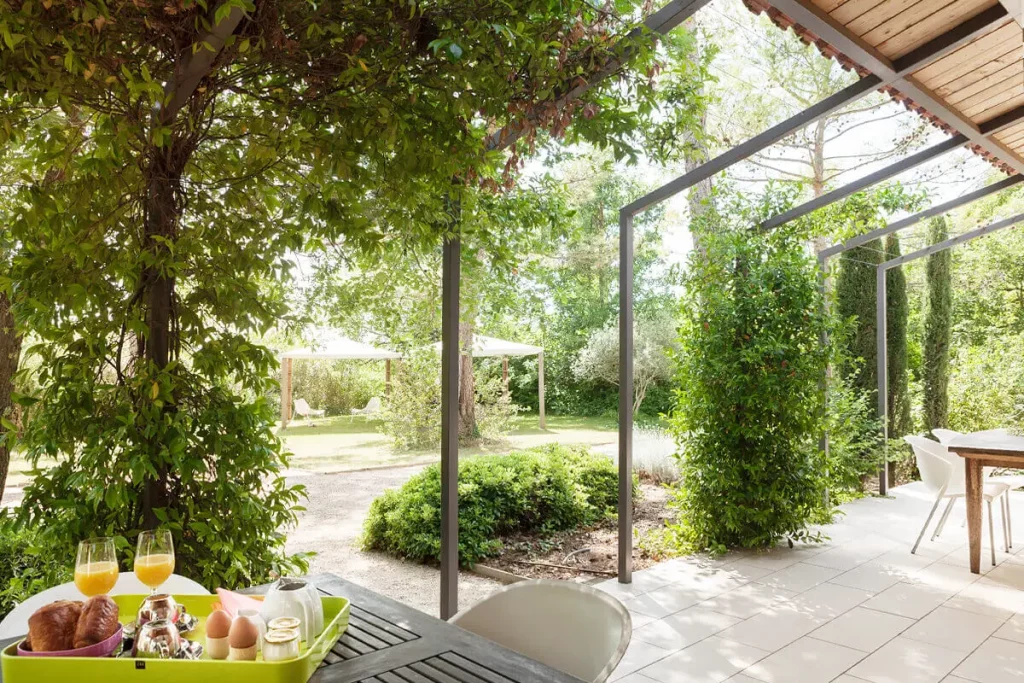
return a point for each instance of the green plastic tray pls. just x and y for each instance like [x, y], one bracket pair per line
[127, 670]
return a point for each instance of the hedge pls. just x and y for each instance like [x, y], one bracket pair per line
[541, 490]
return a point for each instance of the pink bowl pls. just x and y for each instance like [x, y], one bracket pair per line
[102, 649]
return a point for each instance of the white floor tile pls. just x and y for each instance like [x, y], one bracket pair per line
[805, 661]
[684, 628]
[1013, 629]
[710, 661]
[944, 577]
[744, 570]
[954, 629]
[871, 576]
[988, 597]
[669, 600]
[908, 600]
[863, 629]
[829, 600]
[774, 628]
[1008, 574]
[799, 577]
[743, 678]
[907, 661]
[638, 655]
[996, 661]
[632, 678]
[746, 601]
[841, 558]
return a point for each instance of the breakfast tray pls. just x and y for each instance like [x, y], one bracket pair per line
[127, 670]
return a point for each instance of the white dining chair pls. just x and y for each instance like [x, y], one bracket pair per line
[1014, 481]
[568, 626]
[16, 622]
[943, 475]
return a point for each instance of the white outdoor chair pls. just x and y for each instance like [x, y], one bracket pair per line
[372, 408]
[1014, 481]
[302, 408]
[943, 474]
[15, 624]
[568, 626]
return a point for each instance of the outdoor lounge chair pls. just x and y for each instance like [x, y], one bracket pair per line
[302, 408]
[568, 626]
[372, 408]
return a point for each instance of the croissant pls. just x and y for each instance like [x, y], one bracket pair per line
[97, 622]
[52, 627]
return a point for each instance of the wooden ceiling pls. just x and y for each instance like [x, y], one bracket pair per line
[982, 80]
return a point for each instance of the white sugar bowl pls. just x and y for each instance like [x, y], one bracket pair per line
[299, 599]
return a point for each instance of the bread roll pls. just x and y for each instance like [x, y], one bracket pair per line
[97, 622]
[52, 627]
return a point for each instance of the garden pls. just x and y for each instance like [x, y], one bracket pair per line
[171, 224]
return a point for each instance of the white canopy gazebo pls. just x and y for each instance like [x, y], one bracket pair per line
[490, 347]
[337, 348]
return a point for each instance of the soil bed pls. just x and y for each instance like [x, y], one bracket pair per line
[569, 548]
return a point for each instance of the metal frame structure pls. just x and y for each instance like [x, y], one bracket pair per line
[882, 312]
[884, 73]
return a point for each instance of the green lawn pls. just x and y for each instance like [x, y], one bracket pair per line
[342, 443]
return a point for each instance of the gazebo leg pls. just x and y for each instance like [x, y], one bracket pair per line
[540, 389]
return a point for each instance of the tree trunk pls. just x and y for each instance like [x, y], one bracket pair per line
[467, 385]
[10, 352]
[822, 242]
[158, 296]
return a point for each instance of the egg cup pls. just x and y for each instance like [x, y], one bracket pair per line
[242, 654]
[217, 648]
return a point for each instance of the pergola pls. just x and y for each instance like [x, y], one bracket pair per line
[337, 348]
[490, 347]
[958, 64]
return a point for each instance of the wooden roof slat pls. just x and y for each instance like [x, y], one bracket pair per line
[983, 74]
[1014, 70]
[1012, 141]
[990, 98]
[1001, 106]
[1011, 134]
[852, 9]
[924, 20]
[880, 14]
[1004, 39]
[829, 5]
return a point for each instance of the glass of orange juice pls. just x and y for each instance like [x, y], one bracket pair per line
[96, 567]
[154, 558]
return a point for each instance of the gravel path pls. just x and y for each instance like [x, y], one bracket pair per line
[331, 526]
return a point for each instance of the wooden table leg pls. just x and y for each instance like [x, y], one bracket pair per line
[973, 484]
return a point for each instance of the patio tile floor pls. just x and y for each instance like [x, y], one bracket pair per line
[858, 608]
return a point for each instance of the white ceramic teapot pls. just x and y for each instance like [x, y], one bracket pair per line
[297, 598]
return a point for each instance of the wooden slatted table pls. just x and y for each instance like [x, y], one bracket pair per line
[388, 642]
[996, 448]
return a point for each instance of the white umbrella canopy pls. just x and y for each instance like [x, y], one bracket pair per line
[341, 348]
[331, 348]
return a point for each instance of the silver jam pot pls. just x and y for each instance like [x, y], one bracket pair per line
[157, 639]
[159, 606]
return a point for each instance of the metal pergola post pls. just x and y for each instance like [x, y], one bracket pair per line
[450, 275]
[881, 332]
[881, 320]
[625, 396]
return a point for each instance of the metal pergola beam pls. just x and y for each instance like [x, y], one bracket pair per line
[822, 25]
[937, 210]
[882, 315]
[912, 161]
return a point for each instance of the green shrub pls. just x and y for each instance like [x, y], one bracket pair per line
[749, 409]
[541, 490]
[29, 563]
[411, 414]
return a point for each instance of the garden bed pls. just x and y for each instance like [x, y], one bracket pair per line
[523, 551]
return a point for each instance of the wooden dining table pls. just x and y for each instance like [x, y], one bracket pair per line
[388, 642]
[995, 448]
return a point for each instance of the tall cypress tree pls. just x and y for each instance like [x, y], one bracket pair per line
[937, 329]
[898, 315]
[855, 294]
